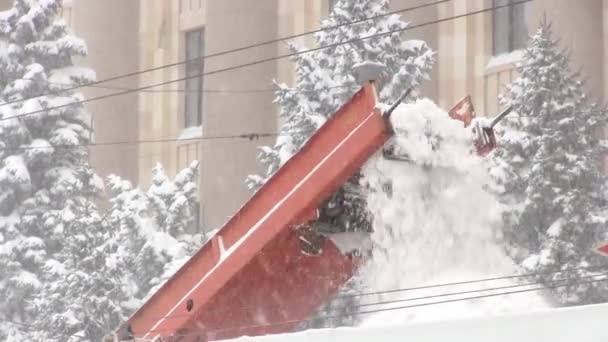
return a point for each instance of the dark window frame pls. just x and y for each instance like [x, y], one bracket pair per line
[509, 29]
[197, 217]
[193, 87]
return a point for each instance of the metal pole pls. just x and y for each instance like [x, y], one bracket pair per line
[501, 116]
[390, 111]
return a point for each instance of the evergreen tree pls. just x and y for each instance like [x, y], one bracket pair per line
[83, 291]
[44, 175]
[172, 200]
[70, 273]
[153, 229]
[324, 80]
[548, 168]
[125, 217]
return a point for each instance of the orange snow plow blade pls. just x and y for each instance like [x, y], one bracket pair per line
[463, 111]
[251, 278]
[485, 140]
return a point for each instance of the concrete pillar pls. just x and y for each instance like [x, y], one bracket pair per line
[427, 33]
[110, 29]
[225, 163]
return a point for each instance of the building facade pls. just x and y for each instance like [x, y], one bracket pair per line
[475, 55]
[200, 110]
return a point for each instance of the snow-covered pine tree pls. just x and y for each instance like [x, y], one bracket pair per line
[63, 275]
[82, 294]
[548, 168]
[324, 78]
[44, 175]
[172, 200]
[139, 262]
[109, 265]
[172, 210]
[324, 82]
[153, 229]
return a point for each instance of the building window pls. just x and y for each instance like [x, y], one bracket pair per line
[196, 223]
[510, 32]
[193, 92]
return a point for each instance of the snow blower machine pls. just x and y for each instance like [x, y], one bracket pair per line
[264, 272]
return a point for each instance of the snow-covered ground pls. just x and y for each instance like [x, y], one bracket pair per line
[436, 225]
[580, 324]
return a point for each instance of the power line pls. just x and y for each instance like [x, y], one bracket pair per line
[422, 304]
[246, 136]
[270, 59]
[204, 91]
[357, 313]
[506, 287]
[251, 136]
[25, 325]
[552, 287]
[32, 326]
[243, 48]
[564, 273]
[468, 282]
[404, 307]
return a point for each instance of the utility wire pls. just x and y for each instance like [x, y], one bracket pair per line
[452, 300]
[32, 326]
[565, 273]
[506, 287]
[245, 136]
[270, 59]
[367, 312]
[228, 91]
[556, 285]
[468, 282]
[240, 49]
[251, 136]
[210, 91]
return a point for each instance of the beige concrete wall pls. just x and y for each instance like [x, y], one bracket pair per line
[296, 17]
[226, 162]
[228, 108]
[109, 28]
[465, 49]
[427, 33]
[159, 107]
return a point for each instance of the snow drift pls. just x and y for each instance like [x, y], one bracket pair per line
[434, 223]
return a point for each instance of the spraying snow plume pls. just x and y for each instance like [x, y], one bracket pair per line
[434, 222]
